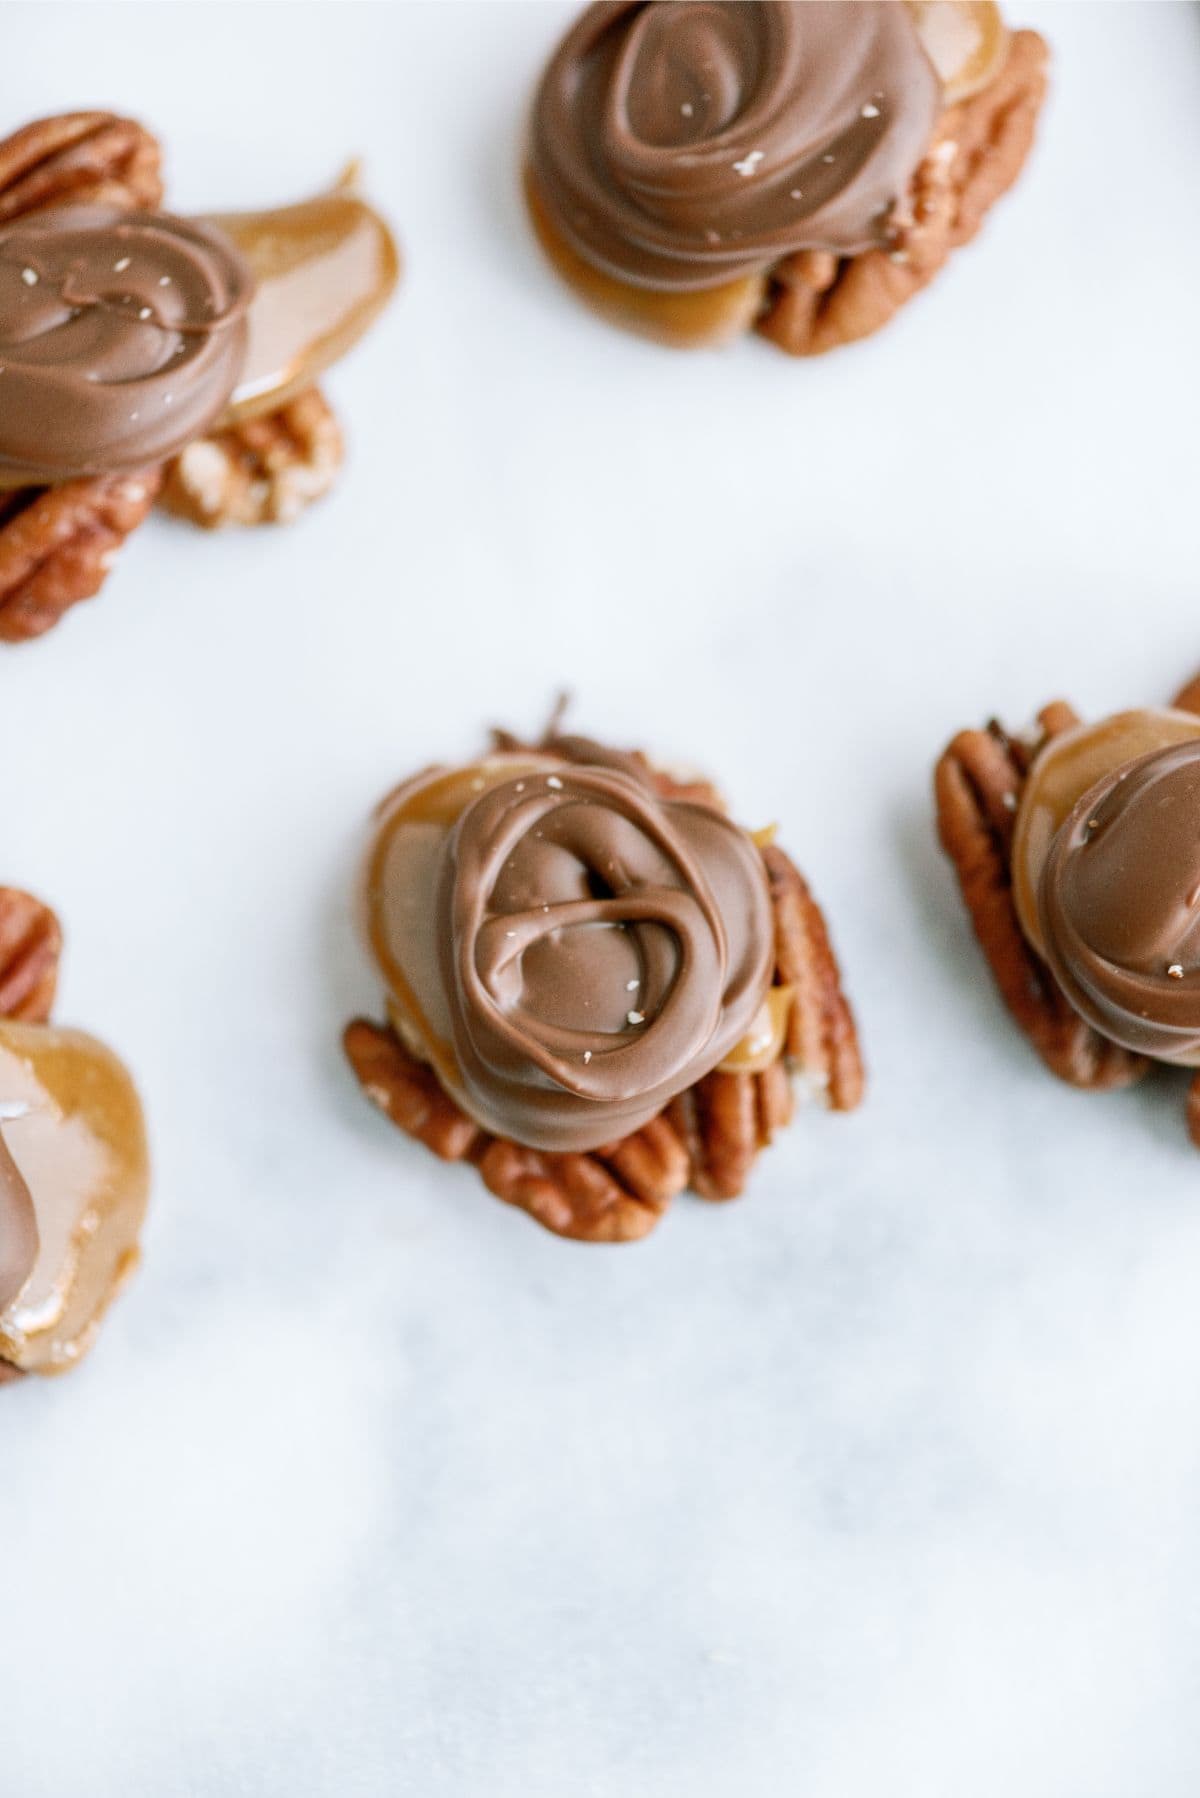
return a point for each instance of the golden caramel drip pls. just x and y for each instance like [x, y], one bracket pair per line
[965, 40]
[762, 1044]
[411, 832]
[80, 1148]
[1062, 774]
[680, 320]
[324, 270]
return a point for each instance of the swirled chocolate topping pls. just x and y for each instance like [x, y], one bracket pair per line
[122, 335]
[1119, 902]
[681, 143]
[569, 950]
[601, 950]
[18, 1228]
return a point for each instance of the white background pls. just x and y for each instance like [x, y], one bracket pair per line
[882, 1481]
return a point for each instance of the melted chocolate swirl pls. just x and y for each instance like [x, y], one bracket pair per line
[1119, 902]
[679, 144]
[122, 335]
[601, 950]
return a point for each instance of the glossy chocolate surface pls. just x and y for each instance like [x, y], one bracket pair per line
[1063, 772]
[678, 145]
[568, 950]
[122, 336]
[1119, 903]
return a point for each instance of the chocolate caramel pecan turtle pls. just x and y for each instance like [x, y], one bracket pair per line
[74, 1172]
[1077, 851]
[599, 988]
[136, 347]
[801, 167]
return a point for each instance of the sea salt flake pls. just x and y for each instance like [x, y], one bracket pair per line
[749, 162]
[631, 986]
[144, 312]
[553, 781]
[587, 1055]
[120, 267]
[636, 1017]
[1175, 971]
[687, 109]
[29, 276]
[870, 111]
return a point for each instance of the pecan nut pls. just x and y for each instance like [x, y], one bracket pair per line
[727, 1118]
[614, 1194]
[262, 471]
[978, 786]
[822, 1045]
[820, 301]
[409, 1092]
[78, 158]
[57, 544]
[30, 946]
[724, 1121]
[1193, 1110]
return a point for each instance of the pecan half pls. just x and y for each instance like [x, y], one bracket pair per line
[822, 1041]
[263, 471]
[819, 301]
[30, 946]
[978, 786]
[728, 1117]
[78, 158]
[1188, 698]
[1193, 1110]
[614, 1194]
[57, 544]
[409, 1092]
[724, 1120]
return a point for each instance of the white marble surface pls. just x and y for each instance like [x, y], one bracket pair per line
[882, 1481]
